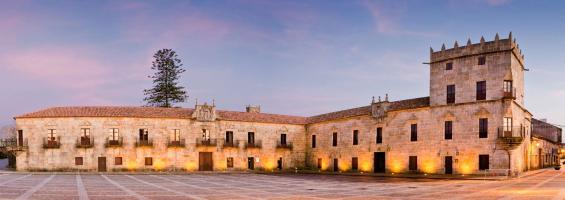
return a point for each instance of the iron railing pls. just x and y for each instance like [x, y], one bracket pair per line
[230, 144]
[52, 142]
[284, 145]
[252, 145]
[176, 143]
[114, 142]
[509, 94]
[85, 142]
[206, 142]
[144, 143]
[511, 132]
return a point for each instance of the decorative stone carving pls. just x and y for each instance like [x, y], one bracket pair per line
[379, 109]
[205, 113]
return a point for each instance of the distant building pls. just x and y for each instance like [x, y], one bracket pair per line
[474, 120]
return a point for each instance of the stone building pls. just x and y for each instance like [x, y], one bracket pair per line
[474, 120]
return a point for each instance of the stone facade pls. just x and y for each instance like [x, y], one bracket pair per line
[423, 135]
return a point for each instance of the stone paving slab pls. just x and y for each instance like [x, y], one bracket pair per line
[548, 184]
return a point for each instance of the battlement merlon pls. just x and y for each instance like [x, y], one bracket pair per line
[481, 48]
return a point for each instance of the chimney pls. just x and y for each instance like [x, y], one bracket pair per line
[253, 109]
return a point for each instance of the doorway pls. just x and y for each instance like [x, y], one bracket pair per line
[336, 167]
[379, 162]
[251, 163]
[279, 163]
[205, 162]
[448, 165]
[102, 164]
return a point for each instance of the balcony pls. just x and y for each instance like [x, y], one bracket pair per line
[201, 142]
[85, 142]
[51, 142]
[511, 137]
[284, 145]
[176, 143]
[114, 142]
[253, 145]
[13, 145]
[230, 144]
[144, 143]
[509, 94]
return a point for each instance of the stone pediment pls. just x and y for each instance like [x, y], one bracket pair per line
[482, 112]
[205, 113]
[448, 115]
[85, 123]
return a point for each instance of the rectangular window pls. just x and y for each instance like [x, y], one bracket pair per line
[449, 66]
[85, 132]
[413, 163]
[283, 139]
[481, 90]
[148, 161]
[78, 160]
[379, 135]
[334, 139]
[483, 162]
[482, 60]
[118, 161]
[114, 134]
[52, 135]
[20, 137]
[176, 135]
[483, 128]
[251, 137]
[319, 163]
[313, 141]
[414, 132]
[507, 124]
[507, 86]
[229, 137]
[143, 134]
[355, 137]
[450, 94]
[354, 164]
[448, 130]
[229, 162]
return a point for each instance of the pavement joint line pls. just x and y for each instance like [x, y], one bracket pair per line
[196, 186]
[30, 192]
[83, 195]
[130, 192]
[532, 187]
[480, 183]
[164, 188]
[516, 181]
[13, 180]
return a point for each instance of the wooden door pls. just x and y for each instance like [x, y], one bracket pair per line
[205, 161]
[448, 165]
[101, 164]
[20, 138]
[379, 162]
[251, 163]
[336, 167]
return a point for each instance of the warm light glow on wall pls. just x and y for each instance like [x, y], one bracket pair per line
[343, 165]
[131, 165]
[365, 165]
[466, 165]
[396, 166]
[190, 166]
[429, 166]
[268, 163]
[159, 164]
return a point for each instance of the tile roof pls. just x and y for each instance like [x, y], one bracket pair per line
[186, 113]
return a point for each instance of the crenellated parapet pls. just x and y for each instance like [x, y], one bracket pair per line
[483, 47]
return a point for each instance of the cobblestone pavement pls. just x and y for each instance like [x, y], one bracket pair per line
[549, 184]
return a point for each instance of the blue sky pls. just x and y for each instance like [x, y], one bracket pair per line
[290, 57]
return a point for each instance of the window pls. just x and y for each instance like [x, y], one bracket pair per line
[507, 124]
[319, 163]
[114, 134]
[448, 130]
[20, 137]
[78, 161]
[148, 161]
[251, 137]
[482, 60]
[283, 139]
[379, 135]
[483, 128]
[355, 137]
[313, 141]
[143, 134]
[334, 139]
[354, 163]
[176, 135]
[85, 132]
[118, 161]
[483, 162]
[508, 90]
[229, 162]
[52, 135]
[450, 94]
[414, 132]
[481, 90]
[229, 137]
[205, 135]
[413, 163]
[449, 66]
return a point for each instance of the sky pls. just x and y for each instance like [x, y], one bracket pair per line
[291, 57]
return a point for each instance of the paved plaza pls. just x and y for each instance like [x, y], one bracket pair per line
[549, 184]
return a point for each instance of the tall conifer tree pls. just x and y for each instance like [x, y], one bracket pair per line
[166, 90]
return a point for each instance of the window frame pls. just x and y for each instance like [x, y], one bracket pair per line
[313, 144]
[334, 139]
[412, 163]
[379, 139]
[450, 94]
[79, 161]
[483, 127]
[481, 90]
[449, 66]
[118, 160]
[448, 130]
[413, 132]
[355, 137]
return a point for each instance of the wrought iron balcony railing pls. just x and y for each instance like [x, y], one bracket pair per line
[284, 145]
[85, 142]
[509, 94]
[254, 144]
[51, 142]
[201, 142]
[114, 142]
[144, 143]
[176, 143]
[230, 144]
